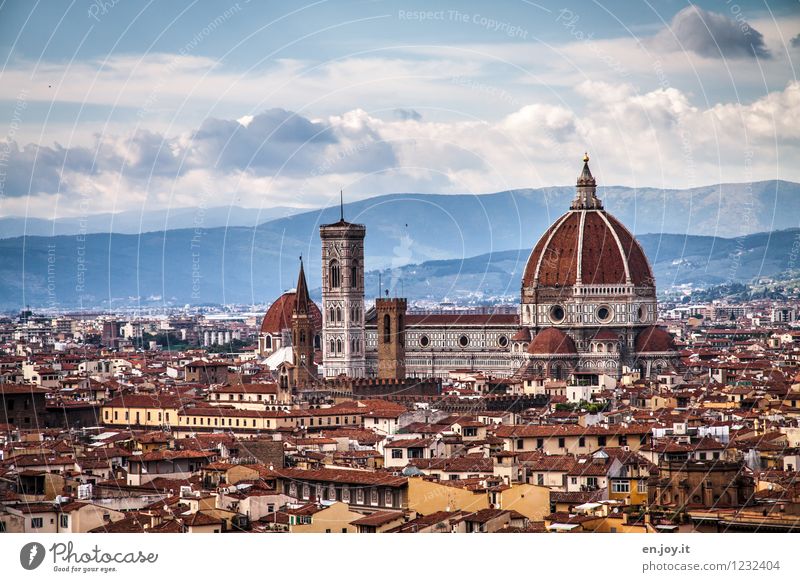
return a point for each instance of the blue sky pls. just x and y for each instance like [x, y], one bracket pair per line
[139, 105]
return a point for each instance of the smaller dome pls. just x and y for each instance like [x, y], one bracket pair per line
[552, 341]
[279, 315]
[654, 339]
[523, 335]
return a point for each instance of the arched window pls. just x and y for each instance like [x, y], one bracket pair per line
[334, 275]
[268, 342]
[338, 346]
[387, 328]
[354, 275]
[317, 342]
[333, 346]
[332, 314]
[338, 314]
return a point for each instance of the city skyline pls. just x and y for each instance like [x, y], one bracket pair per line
[389, 267]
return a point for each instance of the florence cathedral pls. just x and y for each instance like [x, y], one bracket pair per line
[587, 309]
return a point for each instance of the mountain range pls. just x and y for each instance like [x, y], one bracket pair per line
[425, 245]
[136, 221]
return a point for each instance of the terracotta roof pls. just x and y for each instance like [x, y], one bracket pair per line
[607, 248]
[131, 524]
[425, 521]
[485, 515]
[8, 389]
[407, 443]
[279, 314]
[146, 401]
[552, 341]
[204, 364]
[199, 518]
[172, 455]
[456, 464]
[577, 497]
[537, 461]
[654, 339]
[545, 431]
[523, 335]
[348, 476]
[378, 518]
[270, 388]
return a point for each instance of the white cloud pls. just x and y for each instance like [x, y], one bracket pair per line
[651, 139]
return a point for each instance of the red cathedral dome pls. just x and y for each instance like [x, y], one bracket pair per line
[552, 341]
[654, 339]
[279, 315]
[587, 245]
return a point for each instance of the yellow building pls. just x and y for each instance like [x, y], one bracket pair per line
[214, 418]
[426, 497]
[573, 439]
[141, 410]
[312, 518]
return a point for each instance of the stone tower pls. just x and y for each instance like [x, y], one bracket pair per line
[343, 344]
[303, 334]
[391, 317]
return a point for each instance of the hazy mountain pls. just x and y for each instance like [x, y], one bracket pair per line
[676, 260]
[134, 221]
[414, 228]
[241, 265]
[469, 224]
[252, 264]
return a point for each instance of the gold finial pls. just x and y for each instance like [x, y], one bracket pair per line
[585, 157]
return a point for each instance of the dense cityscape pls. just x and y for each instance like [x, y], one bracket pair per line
[589, 406]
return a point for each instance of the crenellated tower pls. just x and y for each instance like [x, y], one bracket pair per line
[391, 315]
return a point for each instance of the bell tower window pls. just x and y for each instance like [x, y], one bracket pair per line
[335, 274]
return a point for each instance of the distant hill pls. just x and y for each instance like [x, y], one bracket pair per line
[245, 265]
[676, 260]
[468, 224]
[135, 221]
[254, 261]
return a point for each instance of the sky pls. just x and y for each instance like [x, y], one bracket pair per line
[120, 105]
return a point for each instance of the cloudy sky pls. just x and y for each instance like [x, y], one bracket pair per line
[115, 105]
